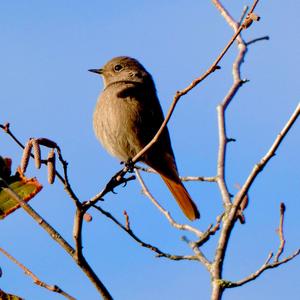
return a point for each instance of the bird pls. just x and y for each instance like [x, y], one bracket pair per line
[127, 116]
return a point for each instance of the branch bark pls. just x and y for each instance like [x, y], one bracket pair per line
[36, 280]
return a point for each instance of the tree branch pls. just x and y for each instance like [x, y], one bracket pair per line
[82, 263]
[63, 179]
[36, 280]
[182, 178]
[267, 265]
[263, 162]
[146, 191]
[217, 265]
[129, 231]
[276, 262]
[201, 257]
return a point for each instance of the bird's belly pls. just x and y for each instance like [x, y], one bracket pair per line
[115, 125]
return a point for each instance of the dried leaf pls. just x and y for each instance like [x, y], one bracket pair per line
[26, 188]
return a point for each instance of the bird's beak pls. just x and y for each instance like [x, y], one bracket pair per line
[97, 71]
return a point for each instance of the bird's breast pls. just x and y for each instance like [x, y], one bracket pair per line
[116, 123]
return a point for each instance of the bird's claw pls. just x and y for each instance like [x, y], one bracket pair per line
[129, 165]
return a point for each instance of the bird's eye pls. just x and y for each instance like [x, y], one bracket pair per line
[118, 68]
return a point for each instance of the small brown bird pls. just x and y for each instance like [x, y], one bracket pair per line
[126, 118]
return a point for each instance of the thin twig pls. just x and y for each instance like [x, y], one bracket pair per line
[129, 231]
[263, 162]
[263, 38]
[280, 233]
[268, 265]
[263, 268]
[36, 280]
[146, 191]
[182, 178]
[243, 15]
[211, 230]
[63, 179]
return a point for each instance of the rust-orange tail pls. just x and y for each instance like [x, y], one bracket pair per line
[182, 197]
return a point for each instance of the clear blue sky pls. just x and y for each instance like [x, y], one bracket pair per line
[47, 48]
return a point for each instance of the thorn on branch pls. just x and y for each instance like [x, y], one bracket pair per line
[216, 68]
[228, 140]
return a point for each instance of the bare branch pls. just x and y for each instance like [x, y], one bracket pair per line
[276, 262]
[83, 264]
[129, 231]
[77, 234]
[36, 280]
[146, 191]
[263, 268]
[210, 231]
[243, 15]
[228, 223]
[263, 162]
[263, 38]
[183, 178]
[51, 144]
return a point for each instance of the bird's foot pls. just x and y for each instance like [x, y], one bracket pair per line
[129, 165]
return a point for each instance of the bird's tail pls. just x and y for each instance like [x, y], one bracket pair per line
[182, 197]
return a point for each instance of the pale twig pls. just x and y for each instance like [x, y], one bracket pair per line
[211, 230]
[182, 178]
[129, 231]
[217, 264]
[243, 15]
[146, 191]
[263, 162]
[280, 233]
[276, 262]
[267, 265]
[198, 178]
[36, 280]
[237, 83]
